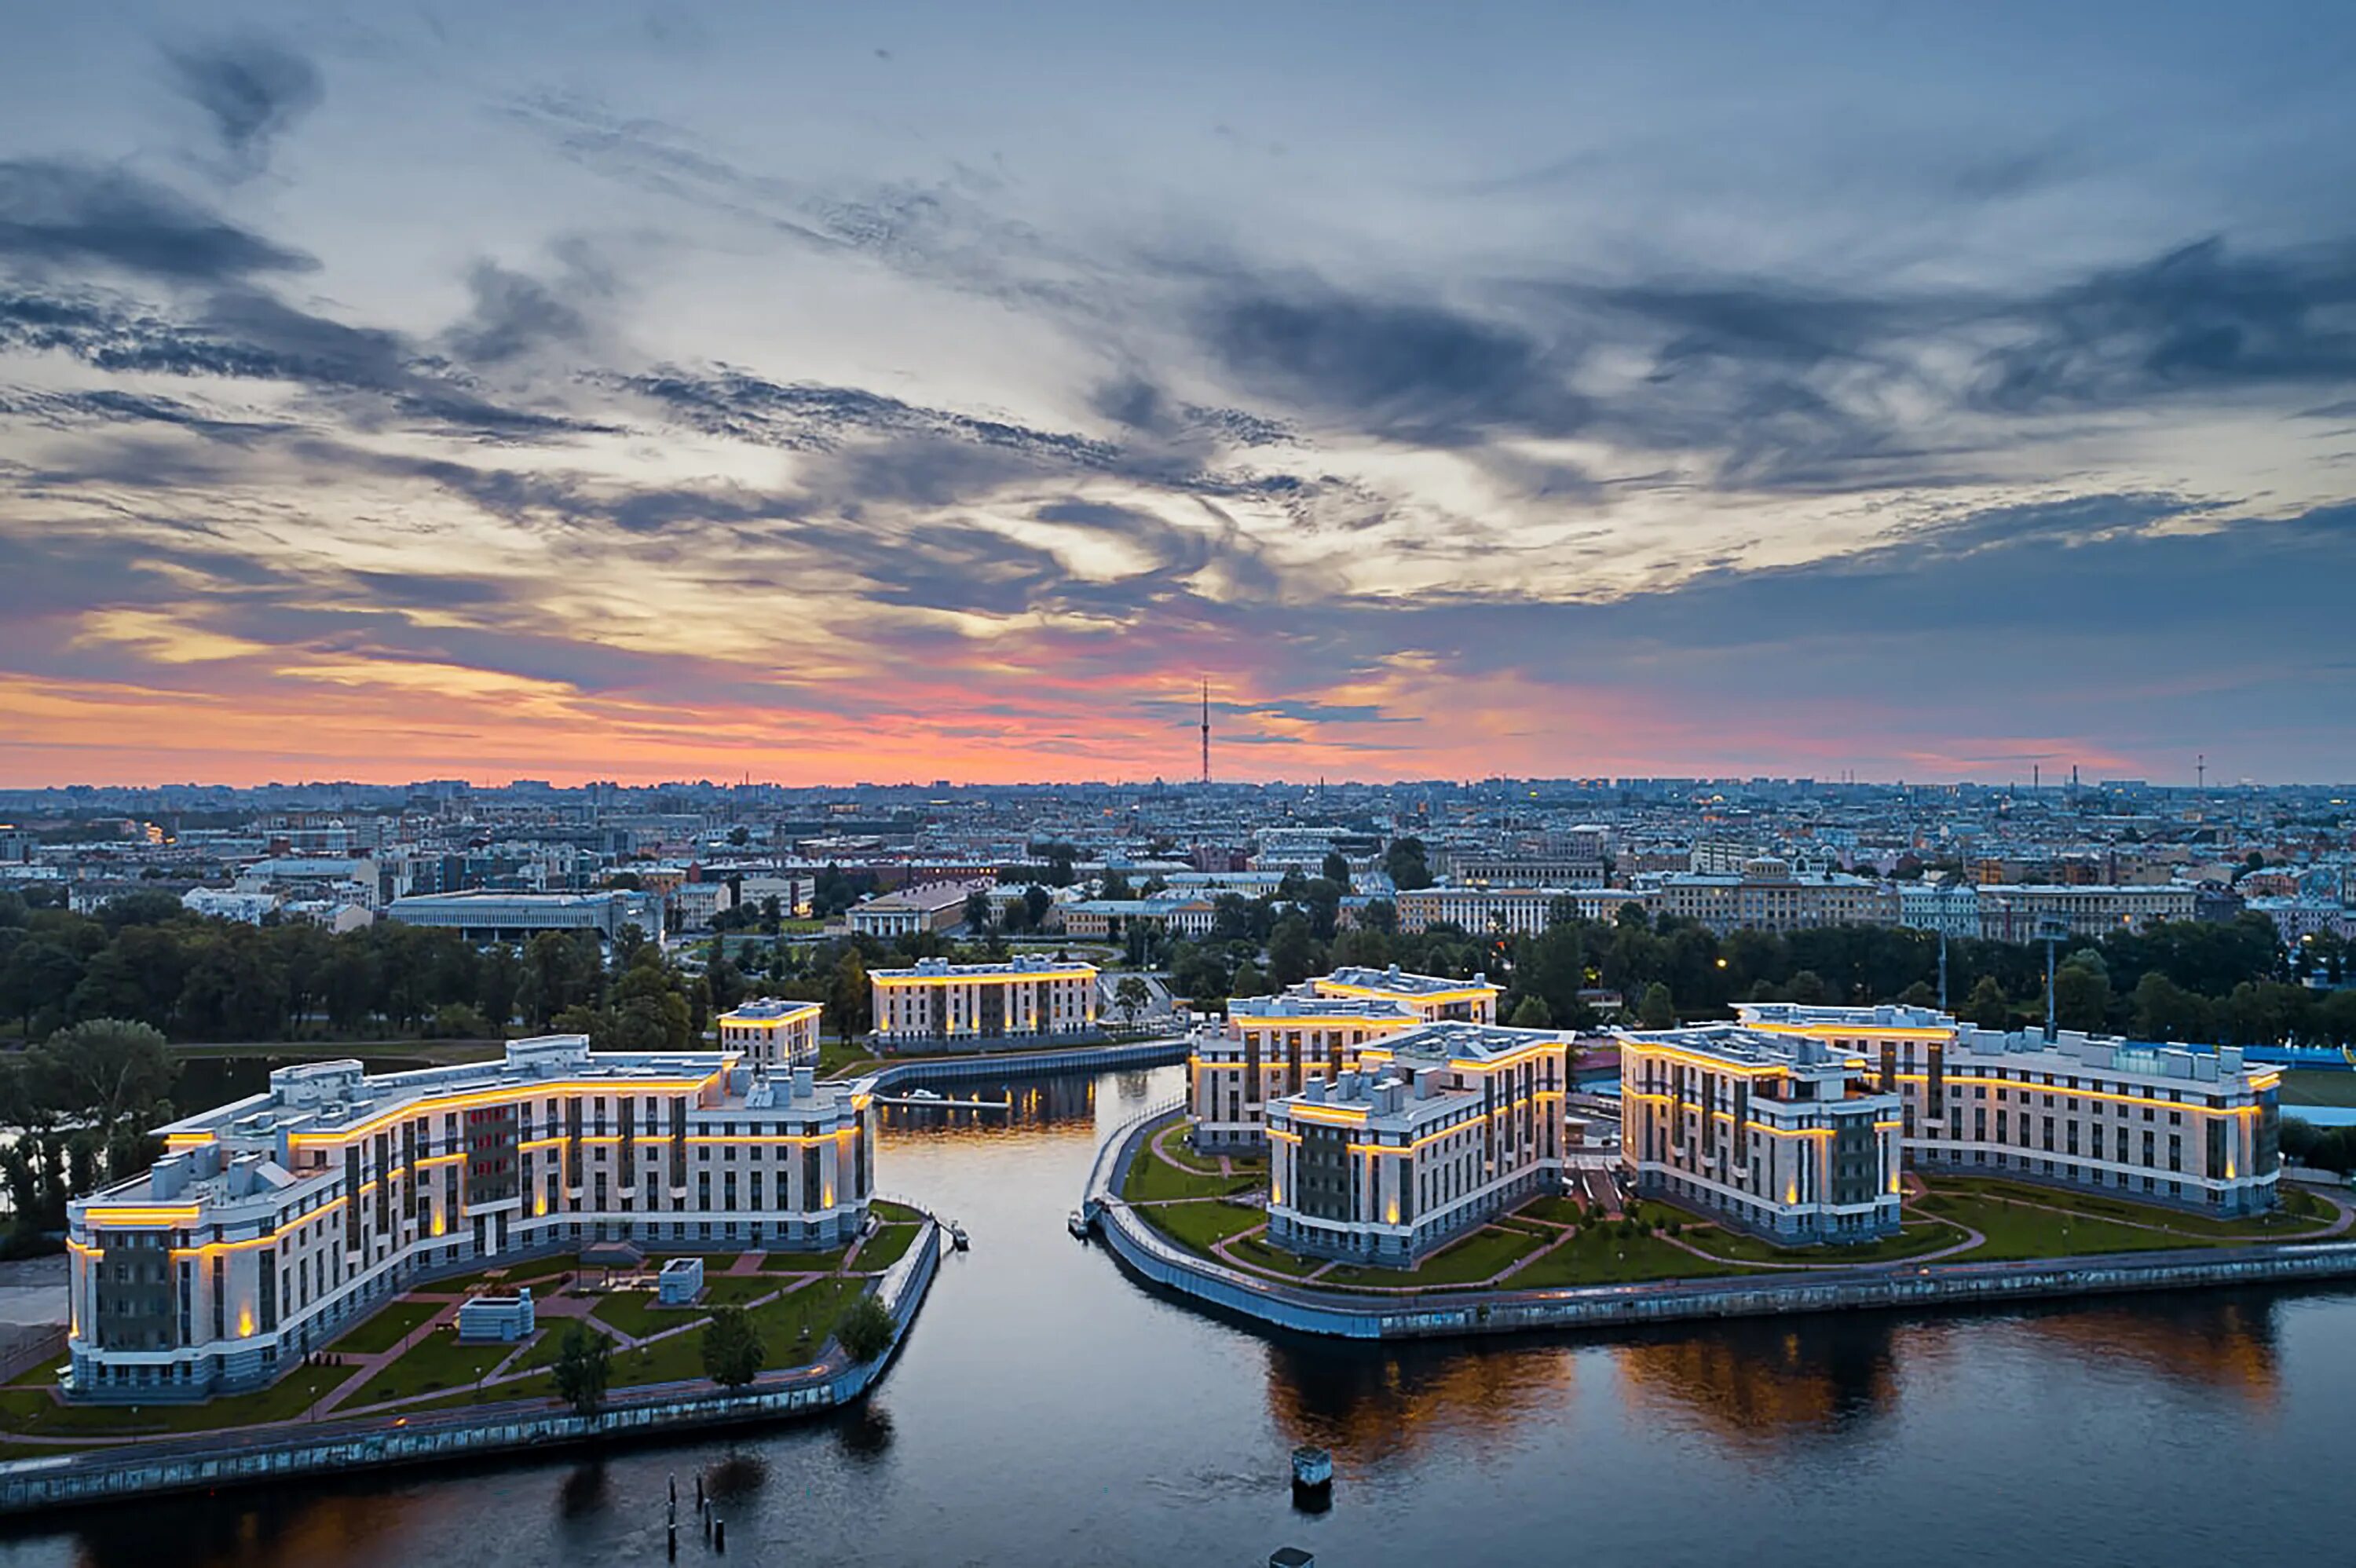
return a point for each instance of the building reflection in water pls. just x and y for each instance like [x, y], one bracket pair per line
[1033, 1103]
[2216, 1341]
[1752, 1385]
[1371, 1403]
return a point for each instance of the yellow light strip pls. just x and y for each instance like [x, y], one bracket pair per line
[134, 1216]
[509, 1093]
[2195, 1105]
[893, 981]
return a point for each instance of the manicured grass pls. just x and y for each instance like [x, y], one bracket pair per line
[550, 1344]
[803, 1263]
[2197, 1227]
[539, 1385]
[1556, 1207]
[634, 1312]
[435, 1363]
[2018, 1230]
[30, 1411]
[1195, 1226]
[893, 1214]
[816, 1306]
[376, 1334]
[2299, 1202]
[1171, 1141]
[887, 1246]
[1152, 1180]
[1467, 1262]
[40, 1374]
[1257, 1251]
[535, 1273]
[1913, 1239]
[736, 1289]
[2316, 1086]
[1599, 1255]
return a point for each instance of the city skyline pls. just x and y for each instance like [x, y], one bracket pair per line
[645, 393]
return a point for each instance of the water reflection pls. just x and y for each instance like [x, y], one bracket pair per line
[1760, 1385]
[1373, 1403]
[2225, 1342]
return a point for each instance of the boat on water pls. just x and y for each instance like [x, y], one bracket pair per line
[1080, 1224]
[924, 1094]
[958, 1236]
[1313, 1473]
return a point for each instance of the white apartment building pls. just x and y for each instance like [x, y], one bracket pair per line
[1780, 1135]
[1515, 910]
[482, 915]
[2161, 1123]
[936, 1003]
[933, 906]
[1931, 906]
[1434, 998]
[272, 1222]
[772, 1034]
[1440, 1129]
[1767, 894]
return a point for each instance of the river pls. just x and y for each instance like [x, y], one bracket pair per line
[1049, 1410]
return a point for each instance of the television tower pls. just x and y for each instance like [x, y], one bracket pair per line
[1206, 732]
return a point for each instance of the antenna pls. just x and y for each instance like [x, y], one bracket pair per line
[2201, 772]
[1206, 732]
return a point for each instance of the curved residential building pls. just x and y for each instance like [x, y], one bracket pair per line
[271, 1222]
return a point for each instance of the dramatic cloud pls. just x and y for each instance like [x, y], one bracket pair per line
[575, 403]
[251, 88]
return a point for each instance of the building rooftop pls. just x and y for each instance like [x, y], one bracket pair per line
[1039, 968]
[769, 1010]
[1396, 982]
[1745, 1049]
[1455, 1039]
[1302, 1004]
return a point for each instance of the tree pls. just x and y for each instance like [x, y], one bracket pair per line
[584, 1367]
[740, 836]
[1115, 886]
[502, 985]
[1987, 1005]
[1658, 1009]
[977, 911]
[1403, 861]
[1533, 1013]
[2082, 992]
[1132, 996]
[1292, 952]
[1336, 869]
[865, 1330]
[733, 1352]
[113, 1078]
[847, 998]
[1036, 902]
[1247, 981]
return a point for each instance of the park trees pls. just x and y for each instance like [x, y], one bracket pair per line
[733, 1351]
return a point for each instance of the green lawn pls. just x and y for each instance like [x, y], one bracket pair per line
[549, 1343]
[1913, 1239]
[1171, 1141]
[2281, 1225]
[737, 1289]
[1195, 1226]
[1561, 1211]
[887, 1246]
[2316, 1086]
[816, 1308]
[376, 1334]
[435, 1363]
[534, 1273]
[1467, 1262]
[634, 1312]
[33, 1412]
[893, 1214]
[1151, 1181]
[803, 1263]
[1268, 1257]
[1597, 1255]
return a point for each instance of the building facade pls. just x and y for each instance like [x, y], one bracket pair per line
[773, 1034]
[1269, 1047]
[1440, 1129]
[2018, 911]
[1516, 911]
[2162, 1123]
[1767, 894]
[1780, 1135]
[1951, 911]
[481, 916]
[937, 1004]
[931, 906]
[273, 1221]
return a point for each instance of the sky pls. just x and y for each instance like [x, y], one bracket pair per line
[894, 391]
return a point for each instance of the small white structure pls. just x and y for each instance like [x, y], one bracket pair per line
[680, 1281]
[502, 1320]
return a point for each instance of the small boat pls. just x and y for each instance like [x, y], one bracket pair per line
[923, 1094]
[958, 1236]
[1079, 1225]
[1313, 1473]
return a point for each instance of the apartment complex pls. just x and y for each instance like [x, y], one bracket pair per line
[773, 1034]
[272, 1222]
[1270, 1047]
[2161, 1123]
[1439, 1129]
[937, 1004]
[1778, 1134]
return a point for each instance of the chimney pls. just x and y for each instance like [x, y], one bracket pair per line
[805, 1082]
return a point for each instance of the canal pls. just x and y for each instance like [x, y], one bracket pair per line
[1049, 1410]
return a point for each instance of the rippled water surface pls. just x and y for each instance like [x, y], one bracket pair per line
[1049, 1411]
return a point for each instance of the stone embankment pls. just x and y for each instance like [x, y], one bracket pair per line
[1445, 1313]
